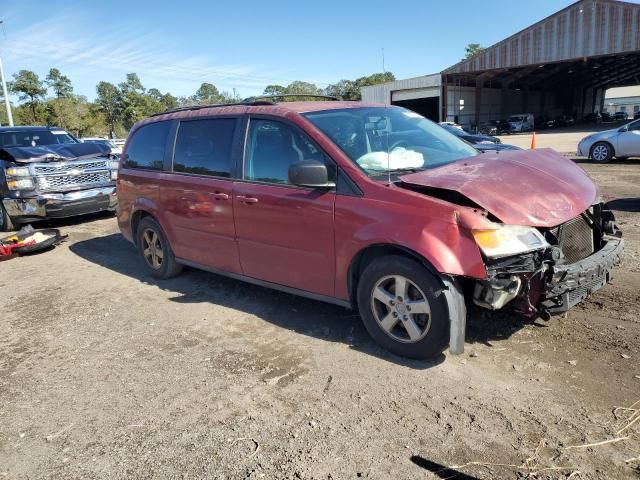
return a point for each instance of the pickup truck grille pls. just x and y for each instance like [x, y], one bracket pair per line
[66, 176]
[575, 239]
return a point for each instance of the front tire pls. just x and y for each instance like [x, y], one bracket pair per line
[6, 224]
[601, 152]
[403, 307]
[155, 250]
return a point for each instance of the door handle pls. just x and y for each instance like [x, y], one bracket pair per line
[220, 196]
[246, 199]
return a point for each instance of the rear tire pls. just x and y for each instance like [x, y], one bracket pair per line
[6, 224]
[403, 307]
[601, 152]
[155, 250]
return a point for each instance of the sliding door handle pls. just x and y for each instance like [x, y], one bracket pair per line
[246, 199]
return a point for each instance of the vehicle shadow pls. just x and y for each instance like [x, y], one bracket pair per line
[308, 317]
[624, 204]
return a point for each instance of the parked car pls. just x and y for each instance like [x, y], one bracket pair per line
[495, 147]
[366, 206]
[620, 142]
[593, 117]
[115, 150]
[452, 124]
[522, 122]
[46, 173]
[496, 127]
[620, 116]
[606, 117]
[472, 138]
[636, 115]
[564, 121]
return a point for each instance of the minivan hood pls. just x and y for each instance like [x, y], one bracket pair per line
[538, 188]
[49, 153]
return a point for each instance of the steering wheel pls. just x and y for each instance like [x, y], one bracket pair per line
[398, 143]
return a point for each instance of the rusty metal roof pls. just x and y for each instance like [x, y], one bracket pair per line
[587, 28]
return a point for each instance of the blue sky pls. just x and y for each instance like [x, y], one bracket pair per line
[175, 46]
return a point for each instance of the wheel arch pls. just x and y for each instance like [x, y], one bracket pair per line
[136, 218]
[608, 142]
[368, 254]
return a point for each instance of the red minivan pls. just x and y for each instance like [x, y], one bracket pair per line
[367, 206]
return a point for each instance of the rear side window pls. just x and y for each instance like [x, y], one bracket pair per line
[203, 147]
[146, 149]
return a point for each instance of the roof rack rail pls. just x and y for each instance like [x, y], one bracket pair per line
[243, 103]
[294, 95]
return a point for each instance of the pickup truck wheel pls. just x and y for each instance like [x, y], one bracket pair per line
[601, 152]
[403, 308]
[155, 250]
[6, 224]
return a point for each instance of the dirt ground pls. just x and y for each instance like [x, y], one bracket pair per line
[107, 373]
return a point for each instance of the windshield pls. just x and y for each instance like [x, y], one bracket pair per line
[515, 118]
[34, 138]
[379, 139]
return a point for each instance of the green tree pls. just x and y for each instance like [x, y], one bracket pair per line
[274, 90]
[299, 87]
[134, 104]
[60, 84]
[207, 94]
[350, 89]
[28, 86]
[109, 104]
[472, 50]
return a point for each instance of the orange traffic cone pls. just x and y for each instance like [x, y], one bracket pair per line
[534, 142]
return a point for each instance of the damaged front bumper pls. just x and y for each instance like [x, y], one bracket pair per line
[57, 205]
[538, 283]
[570, 284]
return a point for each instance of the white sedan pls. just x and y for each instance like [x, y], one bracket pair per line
[115, 149]
[620, 142]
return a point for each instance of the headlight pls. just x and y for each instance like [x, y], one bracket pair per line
[20, 184]
[114, 164]
[18, 172]
[505, 240]
[19, 178]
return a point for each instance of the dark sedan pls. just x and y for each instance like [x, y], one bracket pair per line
[470, 137]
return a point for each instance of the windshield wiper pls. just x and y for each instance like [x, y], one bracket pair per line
[394, 171]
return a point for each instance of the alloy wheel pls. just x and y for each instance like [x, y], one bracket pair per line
[401, 309]
[600, 153]
[152, 250]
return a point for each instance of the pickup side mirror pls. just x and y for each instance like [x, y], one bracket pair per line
[310, 173]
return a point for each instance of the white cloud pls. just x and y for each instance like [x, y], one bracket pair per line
[108, 54]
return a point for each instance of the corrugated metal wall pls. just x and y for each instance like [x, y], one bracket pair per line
[382, 93]
[586, 28]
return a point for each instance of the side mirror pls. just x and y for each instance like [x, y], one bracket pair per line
[310, 173]
[623, 129]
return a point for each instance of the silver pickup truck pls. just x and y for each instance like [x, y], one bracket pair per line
[46, 173]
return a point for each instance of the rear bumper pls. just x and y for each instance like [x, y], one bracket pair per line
[59, 205]
[570, 284]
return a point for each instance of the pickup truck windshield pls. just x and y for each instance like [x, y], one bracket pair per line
[34, 138]
[379, 139]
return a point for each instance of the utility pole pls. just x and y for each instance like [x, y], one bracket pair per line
[4, 91]
[6, 95]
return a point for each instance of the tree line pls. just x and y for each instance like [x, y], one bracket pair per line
[52, 100]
